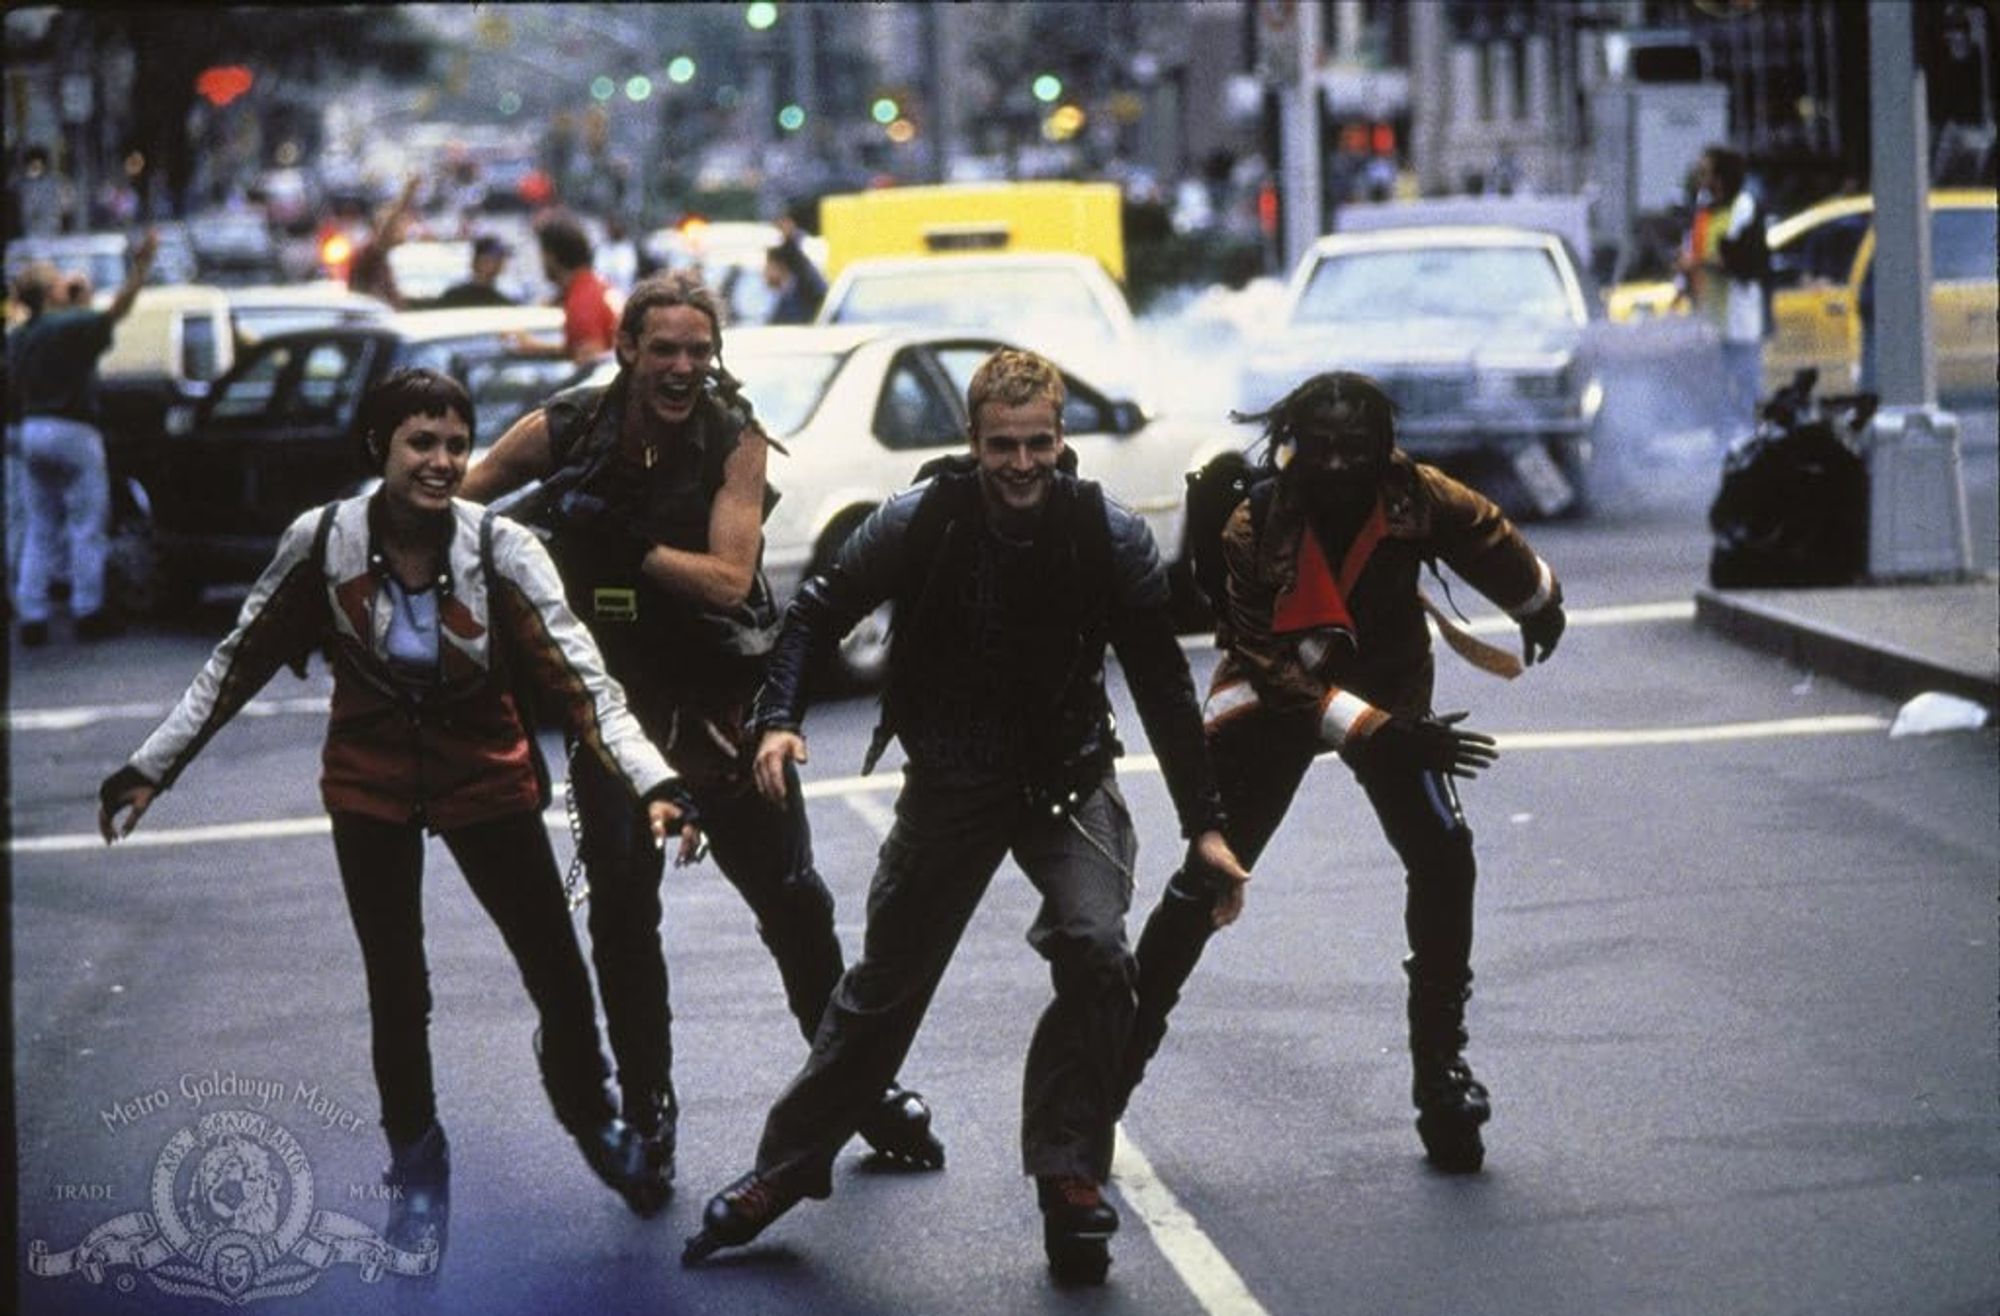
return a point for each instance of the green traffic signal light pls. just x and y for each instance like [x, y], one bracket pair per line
[1048, 88]
[884, 110]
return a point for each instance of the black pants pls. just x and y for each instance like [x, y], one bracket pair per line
[934, 868]
[1259, 763]
[511, 868]
[766, 853]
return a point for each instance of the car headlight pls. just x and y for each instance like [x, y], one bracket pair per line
[1542, 387]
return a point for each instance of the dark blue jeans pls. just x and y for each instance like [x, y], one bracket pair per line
[511, 868]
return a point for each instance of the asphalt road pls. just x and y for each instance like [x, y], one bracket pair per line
[1736, 962]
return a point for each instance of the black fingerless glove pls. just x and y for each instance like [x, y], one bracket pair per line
[1540, 631]
[675, 793]
[112, 792]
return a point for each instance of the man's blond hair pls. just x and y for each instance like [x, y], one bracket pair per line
[1014, 378]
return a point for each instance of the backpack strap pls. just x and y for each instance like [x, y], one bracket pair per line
[321, 533]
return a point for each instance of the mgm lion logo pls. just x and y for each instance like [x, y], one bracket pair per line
[231, 1220]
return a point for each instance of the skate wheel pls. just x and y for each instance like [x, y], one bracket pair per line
[647, 1199]
[1082, 1261]
[1452, 1149]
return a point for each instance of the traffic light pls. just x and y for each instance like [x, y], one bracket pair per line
[885, 111]
[223, 83]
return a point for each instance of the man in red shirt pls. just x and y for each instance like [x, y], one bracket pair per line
[590, 320]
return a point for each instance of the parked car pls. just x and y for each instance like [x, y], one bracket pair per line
[1821, 260]
[1479, 334]
[276, 434]
[1059, 303]
[860, 407]
[164, 357]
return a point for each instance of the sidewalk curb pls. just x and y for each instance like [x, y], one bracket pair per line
[1762, 620]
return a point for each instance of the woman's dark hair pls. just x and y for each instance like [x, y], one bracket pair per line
[411, 391]
[1323, 393]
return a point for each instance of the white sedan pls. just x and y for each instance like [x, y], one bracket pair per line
[860, 407]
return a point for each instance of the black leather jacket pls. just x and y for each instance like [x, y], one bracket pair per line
[1081, 586]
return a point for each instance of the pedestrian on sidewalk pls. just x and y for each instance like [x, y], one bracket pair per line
[439, 624]
[658, 531]
[1010, 577]
[1325, 647]
[1723, 269]
[52, 376]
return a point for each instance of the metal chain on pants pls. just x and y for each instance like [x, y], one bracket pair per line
[576, 883]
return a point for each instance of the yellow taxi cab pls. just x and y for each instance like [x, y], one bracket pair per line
[1822, 260]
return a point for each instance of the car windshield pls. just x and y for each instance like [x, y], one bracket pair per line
[784, 387]
[988, 300]
[1457, 283]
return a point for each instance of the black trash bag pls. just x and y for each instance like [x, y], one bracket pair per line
[1792, 510]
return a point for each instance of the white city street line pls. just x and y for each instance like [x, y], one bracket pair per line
[1200, 1264]
[858, 789]
[83, 715]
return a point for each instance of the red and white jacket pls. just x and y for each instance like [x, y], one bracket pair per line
[1337, 634]
[455, 753]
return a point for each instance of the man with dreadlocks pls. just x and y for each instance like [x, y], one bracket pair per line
[654, 487]
[1324, 647]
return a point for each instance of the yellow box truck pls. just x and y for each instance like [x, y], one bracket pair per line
[986, 217]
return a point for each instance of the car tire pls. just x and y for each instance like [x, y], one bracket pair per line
[143, 580]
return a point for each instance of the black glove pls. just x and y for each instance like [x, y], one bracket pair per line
[1540, 631]
[1423, 744]
[112, 792]
[675, 793]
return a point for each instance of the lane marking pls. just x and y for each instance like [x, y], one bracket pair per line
[83, 715]
[1203, 1269]
[1200, 1264]
[858, 792]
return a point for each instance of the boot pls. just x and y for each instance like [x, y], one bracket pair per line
[1451, 1104]
[655, 1118]
[739, 1213]
[419, 1176]
[1176, 933]
[617, 1155]
[1077, 1225]
[899, 1129]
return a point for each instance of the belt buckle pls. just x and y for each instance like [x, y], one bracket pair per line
[614, 603]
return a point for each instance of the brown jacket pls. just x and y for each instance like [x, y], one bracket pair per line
[1384, 658]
